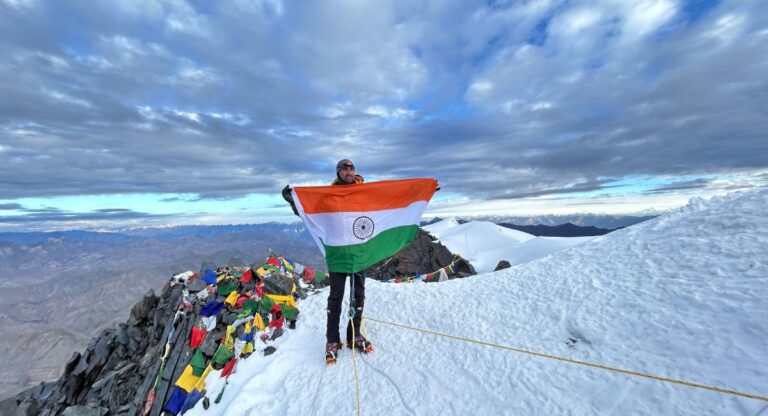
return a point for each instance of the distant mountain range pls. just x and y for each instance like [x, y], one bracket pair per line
[608, 222]
[561, 230]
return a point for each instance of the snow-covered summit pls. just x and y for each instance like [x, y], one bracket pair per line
[484, 243]
[680, 296]
[440, 226]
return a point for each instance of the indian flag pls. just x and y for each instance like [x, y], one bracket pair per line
[358, 225]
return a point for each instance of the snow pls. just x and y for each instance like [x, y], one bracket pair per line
[681, 296]
[484, 243]
[441, 226]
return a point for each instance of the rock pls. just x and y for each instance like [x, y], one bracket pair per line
[128, 409]
[84, 411]
[196, 285]
[278, 286]
[80, 366]
[228, 317]
[277, 333]
[73, 360]
[28, 407]
[502, 265]
[140, 311]
[102, 350]
[424, 255]
[464, 269]
[122, 335]
[210, 343]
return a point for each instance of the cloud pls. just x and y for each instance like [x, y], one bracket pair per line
[680, 186]
[497, 100]
[10, 206]
[578, 188]
[64, 217]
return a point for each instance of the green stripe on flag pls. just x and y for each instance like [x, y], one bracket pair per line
[356, 257]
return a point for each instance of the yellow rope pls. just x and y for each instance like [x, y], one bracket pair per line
[354, 364]
[588, 364]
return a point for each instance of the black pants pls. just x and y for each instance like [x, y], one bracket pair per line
[334, 304]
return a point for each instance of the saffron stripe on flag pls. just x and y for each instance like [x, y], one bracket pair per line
[374, 196]
[356, 257]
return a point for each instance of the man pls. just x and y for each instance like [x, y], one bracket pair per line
[345, 175]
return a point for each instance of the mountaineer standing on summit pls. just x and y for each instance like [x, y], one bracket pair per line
[355, 225]
[345, 175]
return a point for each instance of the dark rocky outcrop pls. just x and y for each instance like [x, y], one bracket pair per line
[502, 265]
[423, 255]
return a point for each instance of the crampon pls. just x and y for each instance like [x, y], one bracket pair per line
[361, 344]
[331, 352]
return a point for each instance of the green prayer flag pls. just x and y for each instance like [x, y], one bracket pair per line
[222, 355]
[320, 277]
[250, 306]
[266, 304]
[289, 312]
[198, 363]
[225, 290]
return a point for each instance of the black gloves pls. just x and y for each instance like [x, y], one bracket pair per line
[289, 198]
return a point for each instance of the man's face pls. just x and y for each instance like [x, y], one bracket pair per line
[347, 174]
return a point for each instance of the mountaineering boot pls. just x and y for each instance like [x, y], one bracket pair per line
[361, 344]
[331, 352]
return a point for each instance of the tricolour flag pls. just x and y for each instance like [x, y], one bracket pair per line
[358, 225]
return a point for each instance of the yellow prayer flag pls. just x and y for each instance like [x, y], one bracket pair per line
[232, 298]
[187, 380]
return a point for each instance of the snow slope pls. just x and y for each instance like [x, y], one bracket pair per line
[441, 226]
[680, 296]
[484, 243]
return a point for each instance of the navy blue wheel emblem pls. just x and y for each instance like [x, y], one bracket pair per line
[362, 228]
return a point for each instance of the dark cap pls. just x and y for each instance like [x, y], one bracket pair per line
[344, 163]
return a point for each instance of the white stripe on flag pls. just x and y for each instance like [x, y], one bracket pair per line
[336, 229]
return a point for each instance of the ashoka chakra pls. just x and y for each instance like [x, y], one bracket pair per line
[363, 228]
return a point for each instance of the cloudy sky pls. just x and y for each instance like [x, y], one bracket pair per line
[158, 112]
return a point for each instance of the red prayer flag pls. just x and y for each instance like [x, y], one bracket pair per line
[197, 336]
[247, 276]
[227, 370]
[309, 274]
[276, 307]
[277, 323]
